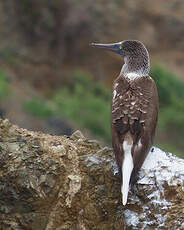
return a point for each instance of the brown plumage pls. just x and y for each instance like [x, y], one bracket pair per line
[134, 110]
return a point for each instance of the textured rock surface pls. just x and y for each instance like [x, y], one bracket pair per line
[59, 183]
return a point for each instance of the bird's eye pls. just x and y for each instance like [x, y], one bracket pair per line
[120, 47]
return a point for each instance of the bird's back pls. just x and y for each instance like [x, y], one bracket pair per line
[134, 110]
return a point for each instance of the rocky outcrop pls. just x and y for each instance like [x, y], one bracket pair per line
[71, 183]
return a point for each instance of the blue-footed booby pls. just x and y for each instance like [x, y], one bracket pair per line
[134, 110]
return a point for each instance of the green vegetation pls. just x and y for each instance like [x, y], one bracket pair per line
[38, 107]
[87, 103]
[170, 87]
[171, 96]
[83, 101]
[171, 114]
[4, 84]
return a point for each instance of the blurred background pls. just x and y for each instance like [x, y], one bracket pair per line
[51, 80]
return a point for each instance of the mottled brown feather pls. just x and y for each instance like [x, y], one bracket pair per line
[134, 110]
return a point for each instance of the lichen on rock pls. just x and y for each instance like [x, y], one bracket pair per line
[59, 183]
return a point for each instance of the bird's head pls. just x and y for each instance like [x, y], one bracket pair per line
[133, 52]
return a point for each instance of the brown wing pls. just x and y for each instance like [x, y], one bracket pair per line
[134, 110]
[120, 87]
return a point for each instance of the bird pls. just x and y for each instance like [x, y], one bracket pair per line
[134, 110]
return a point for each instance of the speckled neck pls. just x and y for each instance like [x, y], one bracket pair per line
[137, 64]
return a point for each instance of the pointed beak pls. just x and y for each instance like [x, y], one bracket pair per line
[115, 47]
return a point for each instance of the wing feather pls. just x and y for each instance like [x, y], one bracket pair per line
[134, 109]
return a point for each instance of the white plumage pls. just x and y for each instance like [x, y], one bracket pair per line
[127, 167]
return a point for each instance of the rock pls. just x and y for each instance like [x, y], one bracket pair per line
[77, 135]
[58, 183]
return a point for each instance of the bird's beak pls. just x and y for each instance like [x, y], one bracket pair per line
[115, 47]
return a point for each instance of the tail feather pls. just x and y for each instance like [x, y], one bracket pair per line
[127, 167]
